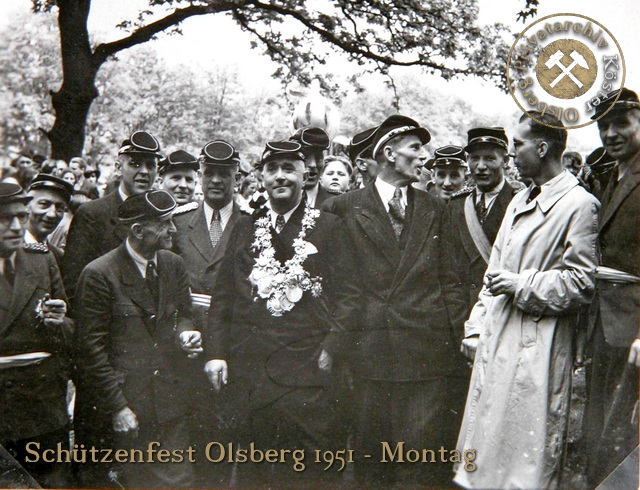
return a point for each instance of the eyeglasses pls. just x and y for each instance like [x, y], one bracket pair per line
[7, 219]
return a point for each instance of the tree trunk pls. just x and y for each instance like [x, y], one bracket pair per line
[79, 68]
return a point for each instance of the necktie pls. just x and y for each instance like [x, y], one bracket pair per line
[535, 191]
[481, 209]
[396, 212]
[9, 271]
[215, 230]
[152, 278]
[279, 223]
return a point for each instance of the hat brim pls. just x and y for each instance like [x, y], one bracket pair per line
[195, 166]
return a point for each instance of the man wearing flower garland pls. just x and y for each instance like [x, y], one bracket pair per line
[277, 327]
[406, 363]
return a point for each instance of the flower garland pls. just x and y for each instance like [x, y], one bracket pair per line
[282, 286]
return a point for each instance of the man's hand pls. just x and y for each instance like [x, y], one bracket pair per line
[191, 342]
[217, 372]
[470, 346]
[125, 421]
[324, 361]
[501, 281]
[634, 353]
[53, 311]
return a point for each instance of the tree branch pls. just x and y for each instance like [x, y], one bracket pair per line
[350, 47]
[145, 33]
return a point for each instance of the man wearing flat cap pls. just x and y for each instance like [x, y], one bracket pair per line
[278, 319]
[314, 142]
[406, 356]
[202, 237]
[477, 213]
[612, 420]
[134, 341]
[449, 167]
[520, 332]
[178, 174]
[359, 151]
[50, 200]
[35, 342]
[94, 230]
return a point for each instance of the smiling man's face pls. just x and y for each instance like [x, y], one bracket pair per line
[283, 178]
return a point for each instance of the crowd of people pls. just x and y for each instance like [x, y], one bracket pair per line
[377, 301]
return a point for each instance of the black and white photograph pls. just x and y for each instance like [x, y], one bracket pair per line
[319, 244]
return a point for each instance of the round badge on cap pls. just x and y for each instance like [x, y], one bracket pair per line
[219, 152]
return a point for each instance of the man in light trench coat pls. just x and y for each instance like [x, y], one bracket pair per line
[521, 329]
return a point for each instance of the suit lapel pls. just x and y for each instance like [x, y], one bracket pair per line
[283, 242]
[199, 235]
[119, 231]
[494, 218]
[376, 224]
[420, 222]
[624, 188]
[133, 284]
[27, 279]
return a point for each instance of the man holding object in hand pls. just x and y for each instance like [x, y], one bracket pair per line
[135, 341]
[521, 329]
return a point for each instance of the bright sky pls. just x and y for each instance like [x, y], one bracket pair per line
[211, 40]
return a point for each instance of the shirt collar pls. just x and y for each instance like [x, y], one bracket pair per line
[225, 213]
[273, 216]
[123, 195]
[29, 238]
[139, 260]
[386, 191]
[312, 195]
[489, 195]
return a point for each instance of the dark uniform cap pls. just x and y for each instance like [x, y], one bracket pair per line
[52, 183]
[361, 142]
[450, 156]
[395, 126]
[491, 136]
[278, 148]
[141, 142]
[627, 100]
[178, 160]
[219, 152]
[600, 161]
[10, 192]
[148, 205]
[312, 137]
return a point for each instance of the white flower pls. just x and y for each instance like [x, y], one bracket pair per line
[294, 293]
[264, 287]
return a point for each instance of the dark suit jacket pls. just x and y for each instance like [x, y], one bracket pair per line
[277, 354]
[413, 311]
[127, 345]
[192, 243]
[32, 397]
[469, 264]
[94, 231]
[620, 245]
[322, 196]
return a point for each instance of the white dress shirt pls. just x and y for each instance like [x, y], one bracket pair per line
[225, 214]
[386, 192]
[490, 196]
[140, 261]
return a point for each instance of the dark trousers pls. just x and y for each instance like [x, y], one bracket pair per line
[48, 475]
[421, 414]
[610, 426]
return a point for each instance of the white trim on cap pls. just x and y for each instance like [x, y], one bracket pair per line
[392, 134]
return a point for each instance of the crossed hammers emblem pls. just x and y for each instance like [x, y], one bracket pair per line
[578, 59]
